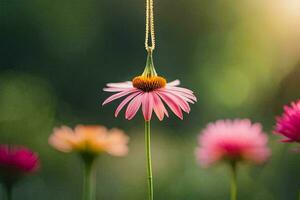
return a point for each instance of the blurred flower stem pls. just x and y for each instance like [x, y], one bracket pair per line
[148, 155]
[8, 188]
[233, 185]
[89, 181]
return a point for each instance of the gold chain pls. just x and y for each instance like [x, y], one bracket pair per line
[149, 26]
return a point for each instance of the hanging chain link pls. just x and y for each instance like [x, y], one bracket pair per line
[149, 26]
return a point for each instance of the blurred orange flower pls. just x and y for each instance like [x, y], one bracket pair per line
[90, 139]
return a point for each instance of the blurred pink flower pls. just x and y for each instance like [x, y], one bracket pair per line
[15, 162]
[232, 140]
[18, 159]
[288, 124]
[150, 93]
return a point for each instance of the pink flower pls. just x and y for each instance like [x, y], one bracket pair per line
[151, 94]
[288, 124]
[16, 161]
[232, 140]
[19, 158]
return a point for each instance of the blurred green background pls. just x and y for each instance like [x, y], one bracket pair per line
[240, 57]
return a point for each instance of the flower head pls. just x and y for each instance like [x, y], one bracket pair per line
[90, 139]
[16, 162]
[232, 140]
[288, 124]
[150, 92]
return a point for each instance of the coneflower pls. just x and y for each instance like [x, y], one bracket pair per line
[151, 93]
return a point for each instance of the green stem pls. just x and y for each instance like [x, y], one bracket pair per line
[299, 196]
[89, 180]
[8, 188]
[148, 155]
[233, 185]
[149, 70]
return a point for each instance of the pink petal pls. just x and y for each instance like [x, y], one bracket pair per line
[119, 95]
[174, 83]
[133, 107]
[147, 105]
[185, 92]
[190, 96]
[124, 102]
[287, 140]
[127, 84]
[159, 107]
[182, 103]
[114, 89]
[185, 97]
[180, 89]
[171, 103]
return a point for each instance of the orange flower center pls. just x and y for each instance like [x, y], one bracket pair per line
[148, 84]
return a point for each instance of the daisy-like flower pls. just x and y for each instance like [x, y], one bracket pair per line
[288, 125]
[233, 141]
[89, 142]
[15, 163]
[90, 139]
[150, 92]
